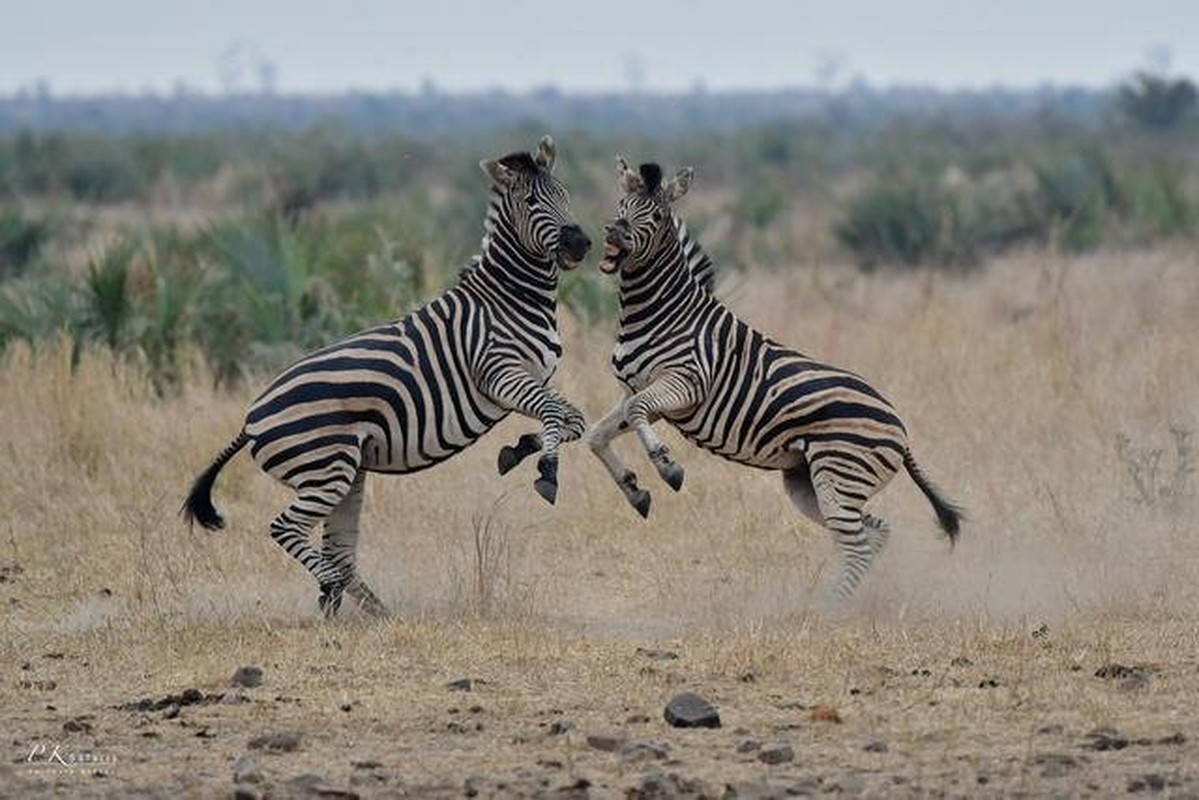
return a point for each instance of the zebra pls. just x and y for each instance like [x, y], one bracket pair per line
[404, 396]
[682, 356]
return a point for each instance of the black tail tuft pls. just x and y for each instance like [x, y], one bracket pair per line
[198, 506]
[949, 516]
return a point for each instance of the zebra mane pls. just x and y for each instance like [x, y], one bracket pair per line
[651, 176]
[522, 162]
[699, 263]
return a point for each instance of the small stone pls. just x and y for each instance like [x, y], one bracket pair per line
[607, 740]
[248, 677]
[191, 697]
[246, 770]
[826, 714]
[1134, 682]
[1055, 765]
[748, 745]
[318, 786]
[689, 710]
[1103, 739]
[561, 726]
[1147, 783]
[645, 751]
[77, 725]
[637, 719]
[242, 793]
[876, 746]
[460, 685]
[776, 754]
[961, 661]
[171, 711]
[277, 742]
[658, 655]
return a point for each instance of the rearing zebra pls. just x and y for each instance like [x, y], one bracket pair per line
[682, 356]
[404, 396]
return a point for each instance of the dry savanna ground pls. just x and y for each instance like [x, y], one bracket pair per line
[1053, 652]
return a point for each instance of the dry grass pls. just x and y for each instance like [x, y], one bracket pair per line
[1016, 386]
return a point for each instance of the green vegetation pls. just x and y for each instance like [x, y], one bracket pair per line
[1156, 101]
[245, 249]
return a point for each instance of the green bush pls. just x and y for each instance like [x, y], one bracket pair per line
[21, 238]
[896, 221]
[1076, 192]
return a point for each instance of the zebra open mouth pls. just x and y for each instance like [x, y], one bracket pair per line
[614, 256]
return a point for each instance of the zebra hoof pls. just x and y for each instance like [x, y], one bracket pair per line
[547, 489]
[330, 599]
[367, 601]
[641, 502]
[673, 475]
[507, 460]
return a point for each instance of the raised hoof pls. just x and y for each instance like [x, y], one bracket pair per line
[673, 475]
[547, 489]
[641, 502]
[508, 459]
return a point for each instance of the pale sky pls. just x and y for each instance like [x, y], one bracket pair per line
[299, 45]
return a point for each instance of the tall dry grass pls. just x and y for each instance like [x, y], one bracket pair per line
[1016, 385]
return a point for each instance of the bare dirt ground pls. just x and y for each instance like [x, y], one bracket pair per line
[1052, 653]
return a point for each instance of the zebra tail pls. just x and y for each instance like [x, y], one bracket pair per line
[948, 515]
[198, 506]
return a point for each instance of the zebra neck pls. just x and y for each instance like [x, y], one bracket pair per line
[662, 285]
[508, 267]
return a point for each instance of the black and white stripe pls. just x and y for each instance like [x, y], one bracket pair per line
[683, 356]
[405, 396]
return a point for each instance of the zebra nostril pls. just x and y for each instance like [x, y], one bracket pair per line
[575, 241]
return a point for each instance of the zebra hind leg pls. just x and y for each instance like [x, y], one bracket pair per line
[340, 549]
[293, 528]
[843, 516]
[877, 531]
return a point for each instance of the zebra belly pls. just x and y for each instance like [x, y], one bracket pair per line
[375, 454]
[779, 456]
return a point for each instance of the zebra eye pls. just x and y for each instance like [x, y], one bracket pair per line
[656, 215]
[531, 200]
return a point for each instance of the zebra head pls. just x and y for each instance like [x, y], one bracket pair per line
[643, 223]
[531, 205]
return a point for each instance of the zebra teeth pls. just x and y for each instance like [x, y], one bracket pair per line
[613, 255]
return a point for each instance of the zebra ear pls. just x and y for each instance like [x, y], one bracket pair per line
[502, 175]
[627, 180]
[677, 186]
[546, 153]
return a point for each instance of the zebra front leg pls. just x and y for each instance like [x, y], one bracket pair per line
[340, 548]
[511, 456]
[512, 387]
[599, 439]
[671, 392]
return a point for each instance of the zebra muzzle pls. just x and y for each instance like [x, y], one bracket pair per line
[614, 256]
